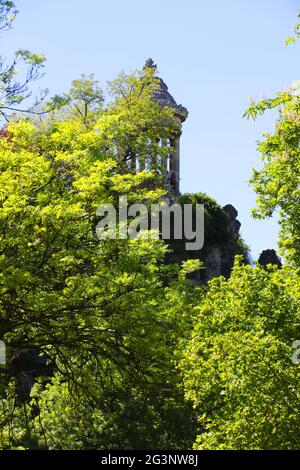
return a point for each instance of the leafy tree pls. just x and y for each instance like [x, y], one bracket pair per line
[99, 311]
[14, 92]
[83, 102]
[237, 367]
[277, 183]
[138, 131]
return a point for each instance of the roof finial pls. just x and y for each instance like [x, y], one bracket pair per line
[149, 64]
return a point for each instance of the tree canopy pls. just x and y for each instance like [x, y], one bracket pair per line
[109, 345]
[237, 367]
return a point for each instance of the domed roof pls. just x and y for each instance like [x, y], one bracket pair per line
[164, 97]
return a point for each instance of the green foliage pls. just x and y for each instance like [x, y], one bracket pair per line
[13, 91]
[293, 38]
[8, 13]
[51, 185]
[237, 367]
[215, 218]
[137, 357]
[100, 312]
[218, 235]
[14, 430]
[277, 183]
[134, 129]
[84, 101]
[259, 108]
[116, 415]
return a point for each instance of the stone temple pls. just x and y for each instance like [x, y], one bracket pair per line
[164, 98]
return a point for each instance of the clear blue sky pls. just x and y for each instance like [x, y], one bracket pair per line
[213, 55]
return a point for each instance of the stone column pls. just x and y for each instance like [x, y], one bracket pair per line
[176, 162]
[163, 159]
[172, 155]
[133, 163]
[141, 164]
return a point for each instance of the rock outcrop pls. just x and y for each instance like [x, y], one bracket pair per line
[269, 257]
[220, 259]
[222, 241]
